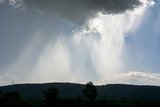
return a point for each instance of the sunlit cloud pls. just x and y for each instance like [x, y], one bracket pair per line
[134, 77]
[15, 3]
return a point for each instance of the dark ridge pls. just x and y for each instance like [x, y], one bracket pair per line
[72, 91]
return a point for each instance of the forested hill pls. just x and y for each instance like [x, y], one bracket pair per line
[71, 90]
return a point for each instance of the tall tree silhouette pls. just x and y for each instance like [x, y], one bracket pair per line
[90, 92]
[50, 97]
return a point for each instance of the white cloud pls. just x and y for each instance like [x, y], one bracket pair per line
[134, 77]
[14, 3]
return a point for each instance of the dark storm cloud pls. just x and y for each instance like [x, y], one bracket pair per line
[79, 11]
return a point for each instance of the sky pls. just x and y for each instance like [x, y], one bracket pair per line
[104, 41]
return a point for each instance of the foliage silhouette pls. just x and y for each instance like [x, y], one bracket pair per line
[50, 97]
[116, 95]
[90, 93]
[11, 99]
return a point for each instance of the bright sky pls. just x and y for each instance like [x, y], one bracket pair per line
[68, 41]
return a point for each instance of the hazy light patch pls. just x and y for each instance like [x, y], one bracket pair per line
[131, 77]
[9, 79]
[107, 54]
[53, 63]
[134, 77]
[24, 63]
[82, 57]
[145, 4]
[143, 44]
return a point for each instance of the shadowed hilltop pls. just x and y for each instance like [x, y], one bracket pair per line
[117, 93]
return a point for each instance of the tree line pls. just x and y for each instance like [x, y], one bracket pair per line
[50, 97]
[87, 99]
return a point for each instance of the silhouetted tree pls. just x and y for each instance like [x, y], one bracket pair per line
[11, 99]
[90, 92]
[50, 97]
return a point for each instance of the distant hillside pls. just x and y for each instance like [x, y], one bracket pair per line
[70, 90]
